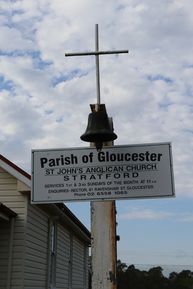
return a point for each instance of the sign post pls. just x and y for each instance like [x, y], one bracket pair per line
[100, 277]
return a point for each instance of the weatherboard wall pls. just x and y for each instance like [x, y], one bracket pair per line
[72, 260]
[79, 265]
[63, 267]
[36, 248]
[4, 250]
[16, 201]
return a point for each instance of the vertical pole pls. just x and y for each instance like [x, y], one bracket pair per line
[103, 244]
[97, 64]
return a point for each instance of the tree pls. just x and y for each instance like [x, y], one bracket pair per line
[156, 280]
[182, 280]
[128, 277]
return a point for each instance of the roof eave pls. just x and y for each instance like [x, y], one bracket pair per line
[15, 171]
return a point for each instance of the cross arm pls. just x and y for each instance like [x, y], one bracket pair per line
[96, 53]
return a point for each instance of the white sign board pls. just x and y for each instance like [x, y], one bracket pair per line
[118, 172]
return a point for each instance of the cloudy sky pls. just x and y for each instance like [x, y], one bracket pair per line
[45, 97]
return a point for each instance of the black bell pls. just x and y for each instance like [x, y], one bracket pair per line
[99, 128]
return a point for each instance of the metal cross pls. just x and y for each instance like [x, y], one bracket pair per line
[97, 52]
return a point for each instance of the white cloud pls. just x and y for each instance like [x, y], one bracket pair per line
[187, 217]
[148, 92]
[11, 39]
[145, 214]
[138, 213]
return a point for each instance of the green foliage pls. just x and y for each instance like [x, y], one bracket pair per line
[128, 277]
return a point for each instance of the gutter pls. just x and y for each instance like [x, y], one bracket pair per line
[68, 218]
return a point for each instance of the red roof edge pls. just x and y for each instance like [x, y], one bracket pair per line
[15, 167]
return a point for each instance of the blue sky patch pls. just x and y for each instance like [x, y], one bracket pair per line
[37, 60]
[5, 84]
[35, 55]
[48, 112]
[60, 119]
[160, 77]
[64, 77]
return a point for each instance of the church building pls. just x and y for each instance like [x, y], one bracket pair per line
[41, 246]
